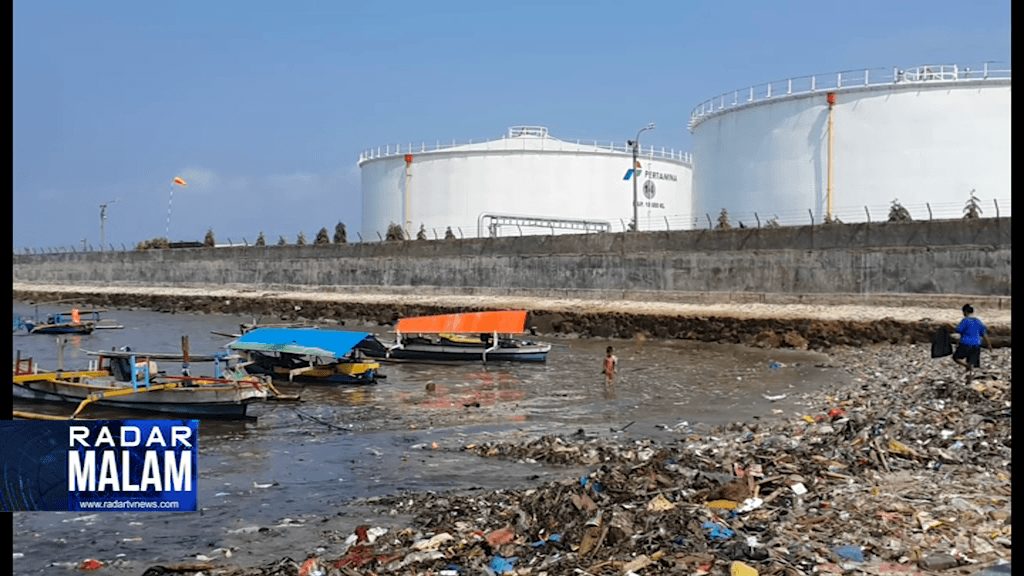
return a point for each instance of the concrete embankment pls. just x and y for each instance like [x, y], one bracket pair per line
[797, 286]
[795, 325]
[880, 259]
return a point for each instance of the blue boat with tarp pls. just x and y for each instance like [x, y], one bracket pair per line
[307, 355]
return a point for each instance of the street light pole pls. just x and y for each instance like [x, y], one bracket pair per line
[636, 151]
[103, 221]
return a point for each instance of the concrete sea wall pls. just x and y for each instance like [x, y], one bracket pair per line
[958, 257]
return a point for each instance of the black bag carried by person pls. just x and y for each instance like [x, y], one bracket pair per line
[941, 344]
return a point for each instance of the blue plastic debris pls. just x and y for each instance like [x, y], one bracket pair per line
[775, 365]
[851, 553]
[503, 565]
[587, 482]
[552, 538]
[717, 531]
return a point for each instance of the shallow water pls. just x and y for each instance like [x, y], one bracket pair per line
[344, 443]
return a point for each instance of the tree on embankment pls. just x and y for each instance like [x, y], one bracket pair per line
[395, 232]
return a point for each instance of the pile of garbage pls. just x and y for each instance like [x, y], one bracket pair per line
[904, 471]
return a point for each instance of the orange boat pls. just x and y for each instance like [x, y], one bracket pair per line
[468, 336]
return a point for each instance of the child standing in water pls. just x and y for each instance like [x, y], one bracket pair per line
[610, 364]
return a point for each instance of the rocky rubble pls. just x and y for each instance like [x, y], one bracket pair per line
[771, 326]
[906, 471]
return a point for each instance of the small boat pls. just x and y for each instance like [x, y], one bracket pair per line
[73, 321]
[129, 380]
[249, 327]
[308, 355]
[461, 337]
[60, 323]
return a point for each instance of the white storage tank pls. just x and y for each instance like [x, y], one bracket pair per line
[926, 136]
[525, 182]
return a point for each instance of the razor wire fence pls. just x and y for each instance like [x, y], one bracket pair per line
[720, 220]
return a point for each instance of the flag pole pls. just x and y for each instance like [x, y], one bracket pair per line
[179, 181]
[167, 230]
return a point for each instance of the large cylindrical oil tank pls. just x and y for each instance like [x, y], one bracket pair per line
[526, 182]
[925, 137]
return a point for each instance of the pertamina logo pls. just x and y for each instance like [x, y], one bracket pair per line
[649, 189]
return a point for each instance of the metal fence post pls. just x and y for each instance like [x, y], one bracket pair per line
[868, 214]
[520, 230]
[811, 214]
[379, 236]
[996, 202]
[435, 233]
[758, 219]
[929, 206]
[360, 236]
[708, 216]
[667, 227]
[460, 232]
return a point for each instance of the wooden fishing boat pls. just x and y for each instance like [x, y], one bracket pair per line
[73, 321]
[462, 337]
[247, 327]
[128, 380]
[307, 355]
[60, 323]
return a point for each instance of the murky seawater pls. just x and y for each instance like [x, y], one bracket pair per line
[303, 463]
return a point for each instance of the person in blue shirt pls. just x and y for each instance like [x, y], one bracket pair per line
[973, 333]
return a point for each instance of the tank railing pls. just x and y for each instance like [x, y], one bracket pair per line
[847, 79]
[549, 144]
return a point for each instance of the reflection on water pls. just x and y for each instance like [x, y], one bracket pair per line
[343, 442]
[609, 389]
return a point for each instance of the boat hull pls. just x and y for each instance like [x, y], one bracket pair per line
[462, 353]
[85, 328]
[207, 401]
[341, 374]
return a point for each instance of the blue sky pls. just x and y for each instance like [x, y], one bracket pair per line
[264, 106]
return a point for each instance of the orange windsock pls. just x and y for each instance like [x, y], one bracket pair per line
[180, 181]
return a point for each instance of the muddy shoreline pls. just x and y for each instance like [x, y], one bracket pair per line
[914, 464]
[906, 469]
[767, 326]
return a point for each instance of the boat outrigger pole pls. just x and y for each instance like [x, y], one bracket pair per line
[397, 345]
[492, 348]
